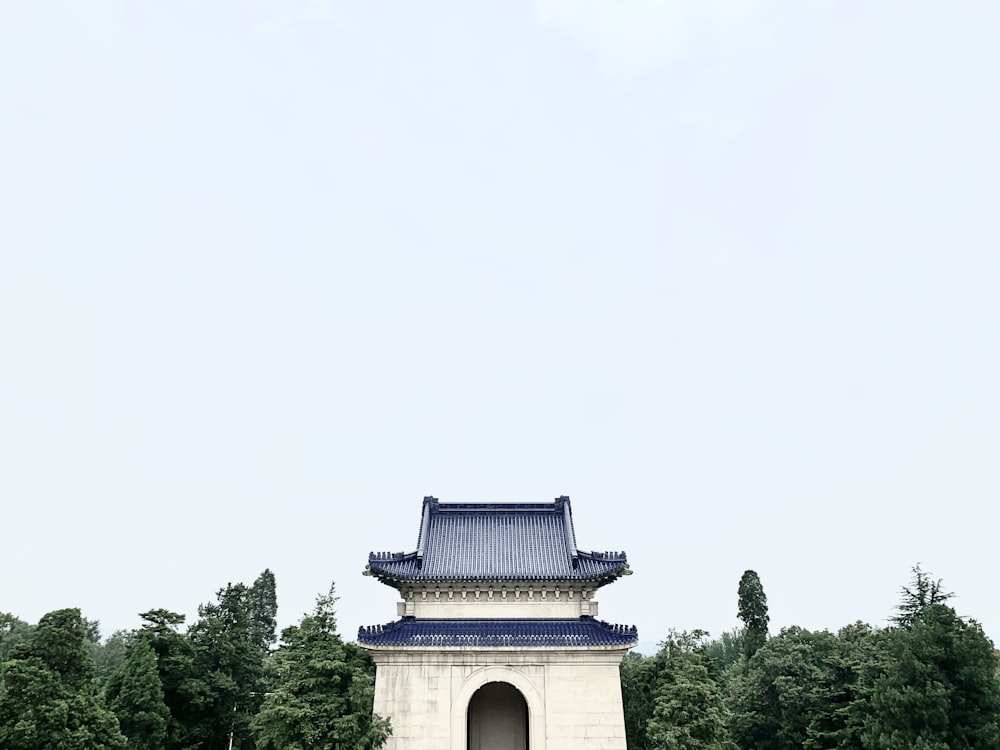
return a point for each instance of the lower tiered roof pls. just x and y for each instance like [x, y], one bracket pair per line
[581, 632]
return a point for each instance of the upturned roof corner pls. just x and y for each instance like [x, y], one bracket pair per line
[496, 542]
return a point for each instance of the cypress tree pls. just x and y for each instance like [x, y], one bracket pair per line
[753, 612]
[135, 694]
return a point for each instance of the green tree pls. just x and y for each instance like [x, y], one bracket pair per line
[689, 712]
[852, 670]
[184, 691]
[231, 640]
[263, 603]
[323, 692]
[640, 678]
[135, 695]
[773, 700]
[110, 655]
[752, 612]
[939, 690]
[13, 631]
[722, 655]
[922, 592]
[48, 700]
[228, 662]
[796, 693]
[92, 641]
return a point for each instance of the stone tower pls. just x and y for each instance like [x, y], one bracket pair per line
[498, 646]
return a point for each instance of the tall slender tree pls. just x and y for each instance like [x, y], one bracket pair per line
[263, 602]
[229, 661]
[135, 694]
[753, 612]
[184, 690]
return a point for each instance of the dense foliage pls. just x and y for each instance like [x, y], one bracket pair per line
[218, 684]
[930, 681]
[322, 690]
[49, 699]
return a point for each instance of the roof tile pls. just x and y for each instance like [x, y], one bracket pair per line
[494, 541]
[584, 632]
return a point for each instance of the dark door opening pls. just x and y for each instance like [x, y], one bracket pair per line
[497, 718]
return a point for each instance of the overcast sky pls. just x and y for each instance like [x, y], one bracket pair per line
[724, 272]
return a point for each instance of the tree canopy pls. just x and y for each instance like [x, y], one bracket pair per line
[930, 681]
[135, 695]
[939, 690]
[161, 687]
[49, 700]
[322, 692]
[922, 592]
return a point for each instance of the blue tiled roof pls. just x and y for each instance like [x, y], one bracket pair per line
[583, 632]
[495, 541]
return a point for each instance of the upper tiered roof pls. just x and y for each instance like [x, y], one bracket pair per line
[496, 542]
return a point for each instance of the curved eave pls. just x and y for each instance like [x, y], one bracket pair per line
[437, 649]
[389, 578]
[584, 634]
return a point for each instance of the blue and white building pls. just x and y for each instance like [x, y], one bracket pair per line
[498, 645]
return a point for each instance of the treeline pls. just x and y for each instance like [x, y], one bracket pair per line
[929, 681]
[221, 683]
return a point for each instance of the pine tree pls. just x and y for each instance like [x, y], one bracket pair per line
[940, 688]
[922, 593]
[323, 692]
[135, 694]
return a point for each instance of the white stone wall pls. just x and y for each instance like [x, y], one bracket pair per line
[567, 609]
[524, 602]
[573, 695]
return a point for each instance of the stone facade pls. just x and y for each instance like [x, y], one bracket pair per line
[573, 696]
[459, 641]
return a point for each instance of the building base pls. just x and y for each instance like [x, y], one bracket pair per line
[572, 698]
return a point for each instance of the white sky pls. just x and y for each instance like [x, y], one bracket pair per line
[724, 272]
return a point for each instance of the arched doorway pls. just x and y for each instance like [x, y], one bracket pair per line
[497, 718]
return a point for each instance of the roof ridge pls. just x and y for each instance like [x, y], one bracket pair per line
[497, 542]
